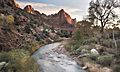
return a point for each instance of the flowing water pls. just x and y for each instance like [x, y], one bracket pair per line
[51, 61]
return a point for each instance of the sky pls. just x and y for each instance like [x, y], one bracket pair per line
[76, 8]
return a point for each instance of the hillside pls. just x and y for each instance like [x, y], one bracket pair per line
[21, 28]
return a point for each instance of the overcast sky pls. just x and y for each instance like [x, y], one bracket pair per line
[76, 8]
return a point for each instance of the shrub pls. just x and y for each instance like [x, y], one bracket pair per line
[116, 68]
[71, 46]
[4, 57]
[107, 42]
[10, 19]
[78, 37]
[19, 61]
[105, 60]
[68, 47]
[93, 56]
[84, 51]
[64, 33]
[35, 45]
[91, 40]
[76, 41]
[1, 20]
[22, 61]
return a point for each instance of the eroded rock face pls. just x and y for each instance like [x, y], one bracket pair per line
[31, 10]
[28, 8]
[61, 20]
[63, 16]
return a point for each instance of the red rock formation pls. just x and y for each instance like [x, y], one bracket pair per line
[61, 20]
[31, 10]
[64, 16]
[28, 8]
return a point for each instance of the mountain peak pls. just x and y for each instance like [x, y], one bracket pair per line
[62, 11]
[65, 16]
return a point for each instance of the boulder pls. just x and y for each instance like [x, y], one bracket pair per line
[3, 64]
[94, 51]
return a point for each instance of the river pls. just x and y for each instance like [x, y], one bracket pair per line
[51, 61]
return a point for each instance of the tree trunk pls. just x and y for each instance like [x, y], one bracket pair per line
[102, 27]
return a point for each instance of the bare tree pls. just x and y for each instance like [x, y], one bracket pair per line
[103, 11]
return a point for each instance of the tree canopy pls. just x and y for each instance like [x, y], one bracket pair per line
[103, 11]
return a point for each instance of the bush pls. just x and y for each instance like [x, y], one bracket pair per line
[78, 37]
[105, 60]
[19, 61]
[1, 20]
[84, 51]
[93, 56]
[91, 40]
[4, 57]
[22, 61]
[34, 46]
[116, 68]
[72, 46]
[64, 33]
[10, 19]
[76, 41]
[107, 43]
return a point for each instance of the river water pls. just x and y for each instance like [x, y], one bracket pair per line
[51, 61]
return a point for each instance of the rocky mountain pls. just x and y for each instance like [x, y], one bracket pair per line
[28, 28]
[61, 19]
[58, 20]
[63, 16]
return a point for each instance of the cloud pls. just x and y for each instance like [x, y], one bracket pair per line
[52, 9]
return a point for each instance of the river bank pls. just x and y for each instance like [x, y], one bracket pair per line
[84, 62]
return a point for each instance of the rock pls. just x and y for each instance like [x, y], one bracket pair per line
[51, 56]
[94, 51]
[62, 20]
[56, 59]
[64, 16]
[28, 8]
[2, 63]
[31, 10]
[85, 67]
